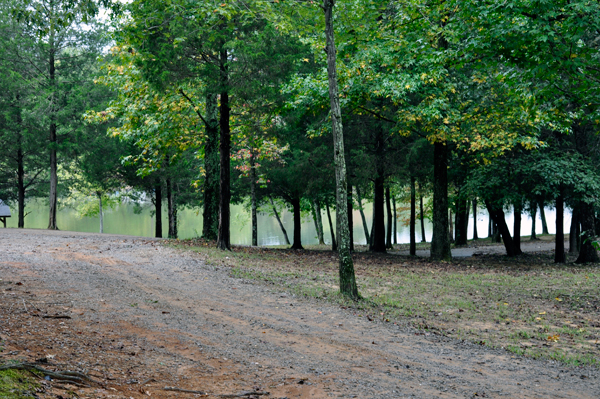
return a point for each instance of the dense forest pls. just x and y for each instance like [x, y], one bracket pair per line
[319, 105]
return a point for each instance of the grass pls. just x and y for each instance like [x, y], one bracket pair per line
[527, 305]
[15, 384]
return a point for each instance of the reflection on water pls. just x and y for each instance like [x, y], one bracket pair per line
[123, 220]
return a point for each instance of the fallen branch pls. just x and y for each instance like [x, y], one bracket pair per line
[183, 390]
[58, 316]
[241, 395]
[147, 381]
[74, 377]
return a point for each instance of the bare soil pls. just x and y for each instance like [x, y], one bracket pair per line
[145, 317]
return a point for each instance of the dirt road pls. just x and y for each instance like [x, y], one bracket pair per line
[185, 324]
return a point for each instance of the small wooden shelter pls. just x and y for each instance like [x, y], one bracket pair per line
[4, 212]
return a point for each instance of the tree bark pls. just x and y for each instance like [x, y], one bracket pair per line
[320, 222]
[20, 184]
[210, 214]
[497, 215]
[559, 249]
[346, 265]
[53, 199]
[475, 235]
[462, 220]
[362, 215]
[395, 221]
[350, 217]
[388, 209]
[223, 240]
[440, 245]
[518, 210]
[253, 200]
[543, 217]
[331, 229]
[158, 209]
[533, 207]
[378, 230]
[573, 232]
[297, 224]
[285, 236]
[587, 252]
[413, 239]
[422, 216]
[450, 227]
[171, 210]
[100, 213]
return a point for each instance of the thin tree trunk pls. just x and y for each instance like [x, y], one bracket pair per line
[462, 220]
[490, 227]
[297, 224]
[450, 227]
[316, 222]
[285, 236]
[378, 230]
[346, 265]
[587, 252]
[533, 207]
[413, 239]
[498, 217]
[475, 235]
[350, 217]
[319, 222]
[253, 199]
[543, 217]
[362, 215]
[395, 221]
[573, 234]
[518, 210]
[223, 240]
[210, 214]
[440, 245]
[158, 208]
[171, 210]
[559, 249]
[388, 209]
[422, 216]
[53, 199]
[331, 229]
[20, 184]
[101, 213]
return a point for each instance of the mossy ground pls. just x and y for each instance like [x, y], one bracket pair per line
[15, 384]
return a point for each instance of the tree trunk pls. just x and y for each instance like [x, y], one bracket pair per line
[543, 217]
[331, 229]
[450, 227]
[475, 235]
[101, 212]
[362, 216]
[297, 224]
[559, 249]
[518, 210]
[223, 240]
[573, 232]
[490, 227]
[587, 252]
[533, 207]
[20, 184]
[497, 215]
[350, 217]
[319, 222]
[496, 234]
[316, 222]
[346, 265]
[388, 209]
[158, 208]
[413, 239]
[462, 221]
[440, 245]
[253, 200]
[285, 236]
[422, 216]
[171, 210]
[53, 199]
[395, 221]
[210, 214]
[378, 230]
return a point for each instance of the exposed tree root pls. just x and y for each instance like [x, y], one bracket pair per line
[73, 377]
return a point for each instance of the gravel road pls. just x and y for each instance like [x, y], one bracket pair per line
[206, 325]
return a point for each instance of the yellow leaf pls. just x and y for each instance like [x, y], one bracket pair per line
[542, 313]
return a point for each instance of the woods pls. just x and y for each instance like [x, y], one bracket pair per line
[446, 107]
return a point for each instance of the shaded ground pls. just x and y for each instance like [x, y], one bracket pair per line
[142, 312]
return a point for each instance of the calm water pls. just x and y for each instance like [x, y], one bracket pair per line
[122, 220]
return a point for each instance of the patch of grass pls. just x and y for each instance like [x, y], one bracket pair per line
[16, 384]
[526, 303]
